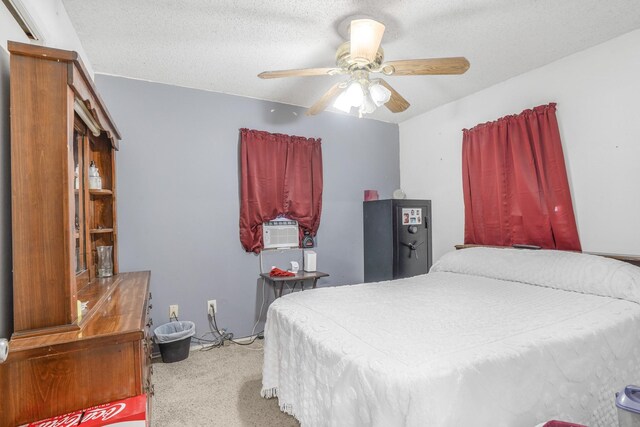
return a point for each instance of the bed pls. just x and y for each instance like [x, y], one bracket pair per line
[490, 337]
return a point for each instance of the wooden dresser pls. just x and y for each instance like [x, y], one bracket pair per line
[108, 359]
[79, 339]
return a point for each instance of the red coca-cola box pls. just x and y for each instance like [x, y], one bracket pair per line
[556, 423]
[131, 412]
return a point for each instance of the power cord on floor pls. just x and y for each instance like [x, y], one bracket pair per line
[221, 335]
[224, 335]
[208, 344]
[229, 336]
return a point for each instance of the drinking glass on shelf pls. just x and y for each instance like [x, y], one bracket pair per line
[105, 261]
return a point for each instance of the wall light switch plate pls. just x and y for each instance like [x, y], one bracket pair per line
[173, 311]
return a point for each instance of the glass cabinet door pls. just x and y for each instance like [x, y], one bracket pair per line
[78, 187]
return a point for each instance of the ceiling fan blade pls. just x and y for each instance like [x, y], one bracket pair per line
[366, 35]
[419, 67]
[303, 72]
[322, 103]
[396, 104]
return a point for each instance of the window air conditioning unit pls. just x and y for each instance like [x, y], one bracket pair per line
[280, 233]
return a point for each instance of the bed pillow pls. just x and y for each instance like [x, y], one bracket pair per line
[571, 271]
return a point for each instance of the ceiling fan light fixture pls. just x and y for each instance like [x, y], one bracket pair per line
[379, 94]
[366, 35]
[361, 56]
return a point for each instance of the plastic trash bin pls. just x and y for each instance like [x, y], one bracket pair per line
[628, 403]
[174, 340]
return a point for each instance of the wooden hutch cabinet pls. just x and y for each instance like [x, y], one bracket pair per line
[80, 338]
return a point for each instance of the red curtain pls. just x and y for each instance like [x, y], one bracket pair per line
[280, 175]
[515, 183]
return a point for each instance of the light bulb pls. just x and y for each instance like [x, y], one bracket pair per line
[368, 106]
[379, 94]
[355, 94]
[342, 103]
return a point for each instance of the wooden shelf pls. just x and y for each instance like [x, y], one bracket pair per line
[101, 230]
[100, 192]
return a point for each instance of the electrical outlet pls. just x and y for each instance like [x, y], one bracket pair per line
[210, 303]
[173, 311]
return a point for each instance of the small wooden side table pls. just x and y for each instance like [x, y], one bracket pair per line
[301, 277]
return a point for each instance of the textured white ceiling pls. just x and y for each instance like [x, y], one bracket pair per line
[222, 45]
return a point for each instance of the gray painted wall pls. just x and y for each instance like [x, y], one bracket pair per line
[178, 201]
[6, 303]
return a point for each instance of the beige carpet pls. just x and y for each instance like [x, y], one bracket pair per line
[219, 387]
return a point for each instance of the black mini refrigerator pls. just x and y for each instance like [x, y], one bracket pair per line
[397, 239]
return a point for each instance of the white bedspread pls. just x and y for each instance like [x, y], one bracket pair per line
[456, 348]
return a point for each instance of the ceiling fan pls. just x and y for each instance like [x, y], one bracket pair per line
[359, 58]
